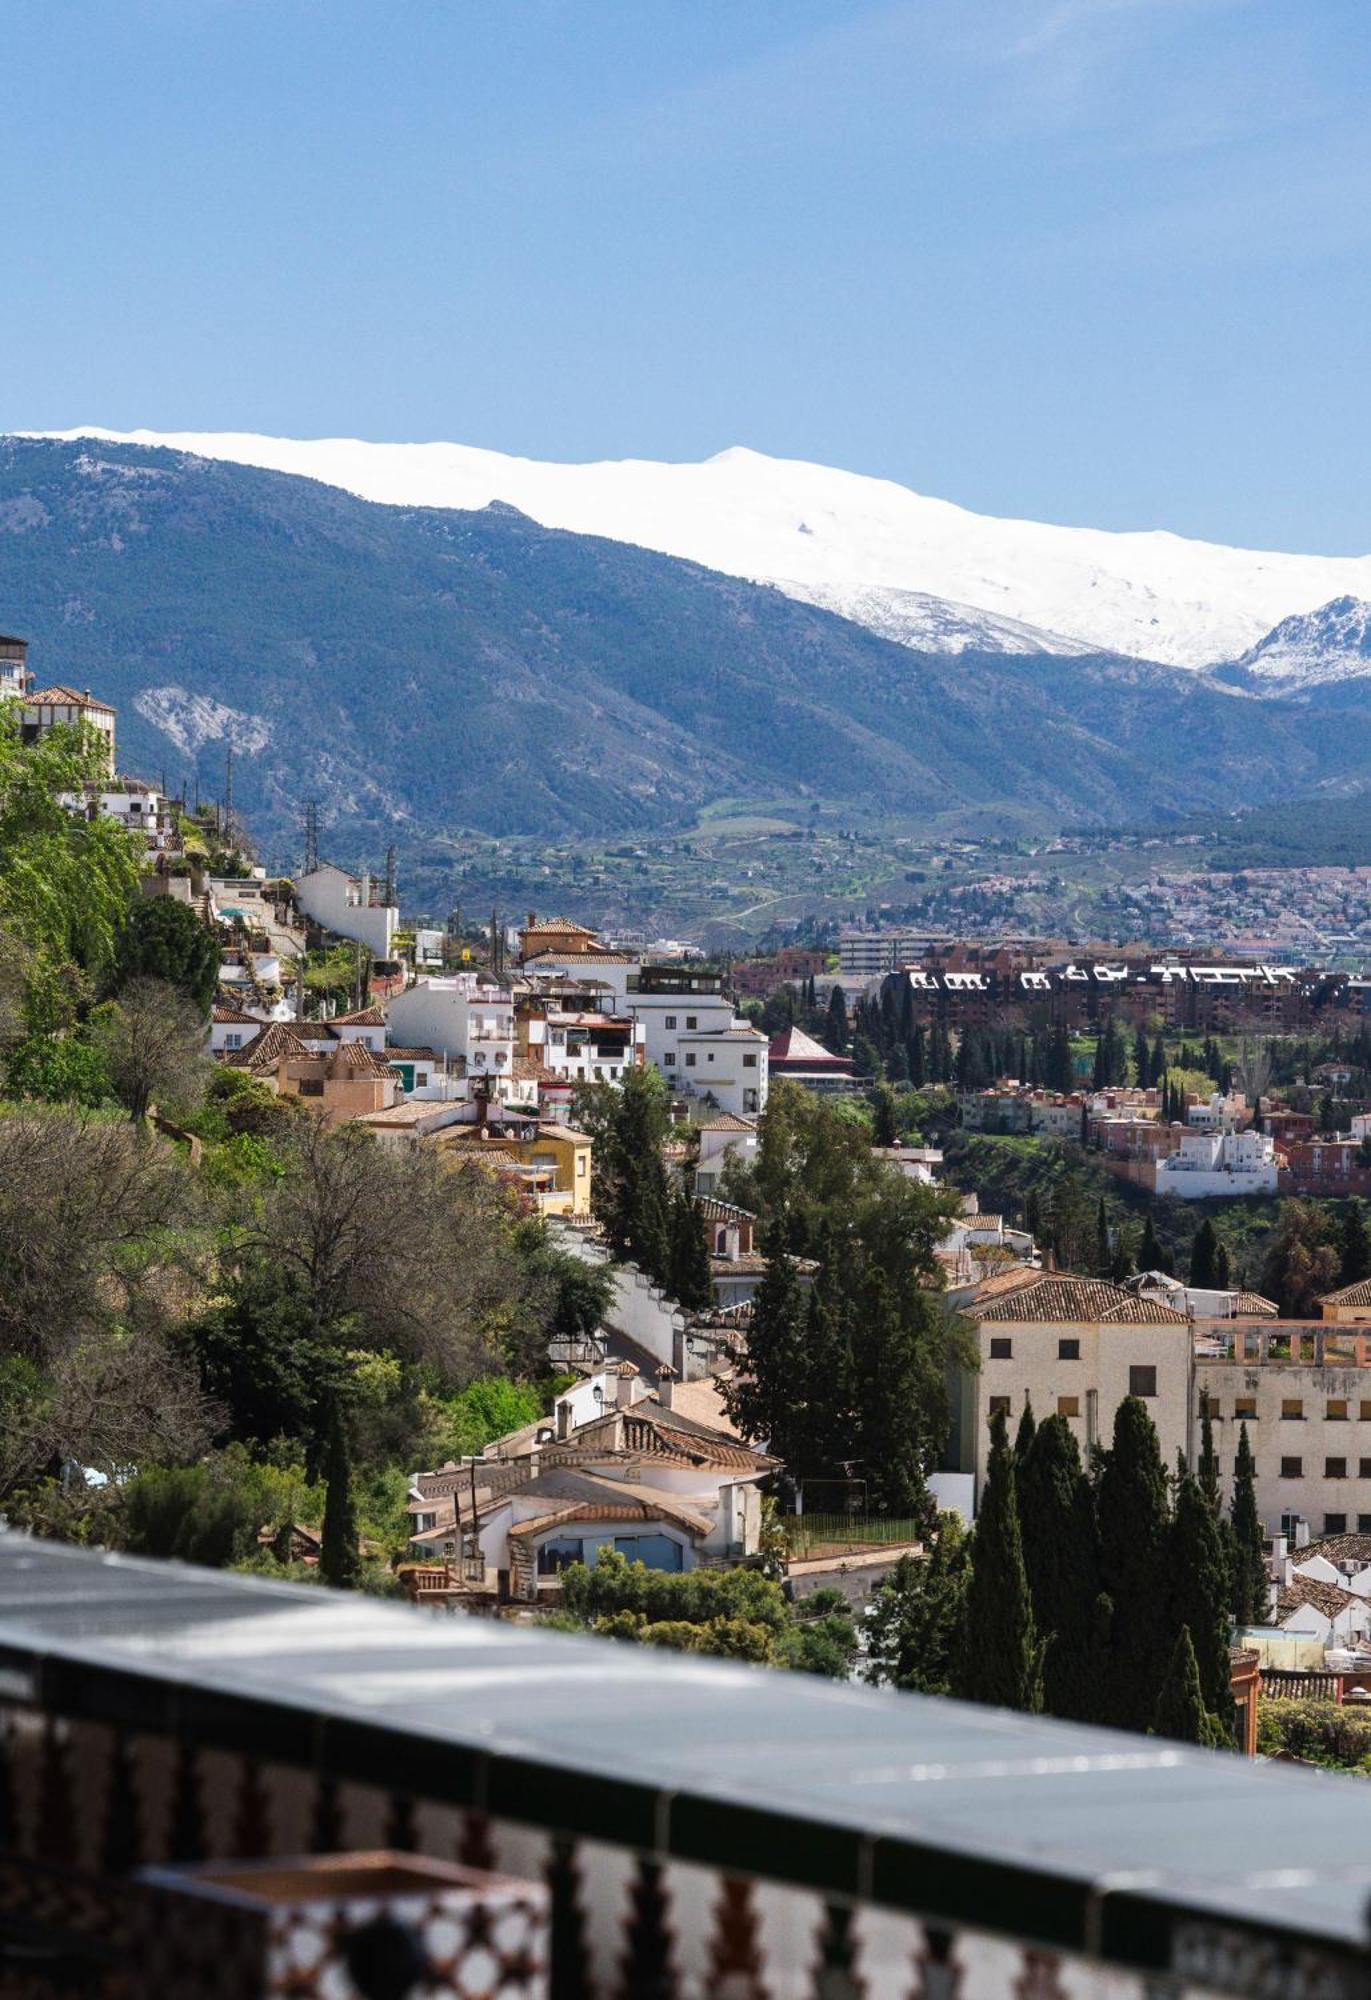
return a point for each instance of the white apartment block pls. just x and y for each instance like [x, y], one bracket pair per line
[1210, 1164]
[457, 1017]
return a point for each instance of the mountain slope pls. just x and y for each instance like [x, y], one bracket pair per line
[858, 545]
[1315, 648]
[445, 669]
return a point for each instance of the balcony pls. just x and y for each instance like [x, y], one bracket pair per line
[702, 1828]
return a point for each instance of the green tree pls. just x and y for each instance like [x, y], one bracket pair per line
[152, 1042]
[1208, 1473]
[1061, 1559]
[165, 939]
[1180, 1712]
[1355, 1245]
[1200, 1588]
[632, 1195]
[1151, 1256]
[1250, 1586]
[835, 1035]
[1001, 1658]
[915, 1621]
[1204, 1257]
[1134, 1529]
[760, 1399]
[1303, 1260]
[339, 1561]
[885, 1129]
[1104, 1248]
[58, 1069]
[1024, 1435]
[689, 1279]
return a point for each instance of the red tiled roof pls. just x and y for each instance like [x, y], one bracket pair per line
[793, 1045]
[1358, 1294]
[1055, 1298]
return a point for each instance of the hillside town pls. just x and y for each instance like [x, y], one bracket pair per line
[671, 1142]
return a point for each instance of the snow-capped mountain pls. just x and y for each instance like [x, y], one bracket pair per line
[867, 547]
[1330, 644]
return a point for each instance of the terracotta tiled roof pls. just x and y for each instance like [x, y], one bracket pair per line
[724, 1211]
[364, 1017]
[583, 958]
[794, 1045]
[65, 697]
[1055, 1298]
[1338, 1549]
[559, 924]
[353, 1056]
[1253, 1306]
[234, 1017]
[1325, 1597]
[277, 1042]
[1350, 1295]
[730, 1122]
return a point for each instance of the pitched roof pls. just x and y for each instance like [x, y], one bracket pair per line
[583, 958]
[277, 1042]
[558, 924]
[353, 1056]
[714, 1210]
[364, 1017]
[730, 1122]
[1253, 1306]
[1057, 1298]
[1358, 1294]
[794, 1045]
[233, 1017]
[1338, 1549]
[1325, 1597]
[65, 697]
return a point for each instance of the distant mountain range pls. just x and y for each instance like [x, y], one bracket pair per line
[921, 571]
[435, 669]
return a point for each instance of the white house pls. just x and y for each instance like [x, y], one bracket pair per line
[458, 1017]
[1222, 1163]
[348, 906]
[727, 1066]
[722, 1139]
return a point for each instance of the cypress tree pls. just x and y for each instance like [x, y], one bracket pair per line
[1355, 1245]
[635, 1207]
[1023, 1437]
[1151, 1256]
[1061, 1558]
[1209, 1464]
[1180, 1712]
[690, 1277]
[1134, 1524]
[1250, 1584]
[821, 1421]
[339, 1562]
[1001, 1660]
[1199, 1598]
[892, 1396]
[761, 1397]
[918, 1060]
[884, 1130]
[1221, 1269]
[835, 1027]
[1142, 1061]
[1204, 1257]
[914, 1629]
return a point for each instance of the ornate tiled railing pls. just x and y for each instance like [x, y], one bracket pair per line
[702, 1829]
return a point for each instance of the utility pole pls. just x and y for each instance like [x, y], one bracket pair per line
[311, 835]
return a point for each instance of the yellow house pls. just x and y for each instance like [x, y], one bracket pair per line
[550, 1163]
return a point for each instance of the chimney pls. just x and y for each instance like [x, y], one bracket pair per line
[625, 1377]
[665, 1379]
[532, 920]
[563, 1419]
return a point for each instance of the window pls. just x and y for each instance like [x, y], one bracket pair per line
[423, 1522]
[1245, 1409]
[1068, 1350]
[1366, 1410]
[1001, 1348]
[690, 1061]
[669, 1059]
[1335, 1468]
[999, 1406]
[311, 1086]
[749, 1062]
[559, 1555]
[653, 1551]
[1068, 1406]
[1292, 1409]
[233, 1041]
[1335, 1524]
[1336, 1411]
[1142, 1381]
[669, 1021]
[1292, 1468]
[1364, 1468]
[1364, 1524]
[692, 1020]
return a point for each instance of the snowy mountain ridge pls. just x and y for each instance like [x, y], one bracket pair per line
[922, 570]
[1332, 643]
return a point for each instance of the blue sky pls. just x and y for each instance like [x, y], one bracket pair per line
[1100, 261]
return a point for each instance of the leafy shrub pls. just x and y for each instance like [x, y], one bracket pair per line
[1322, 1732]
